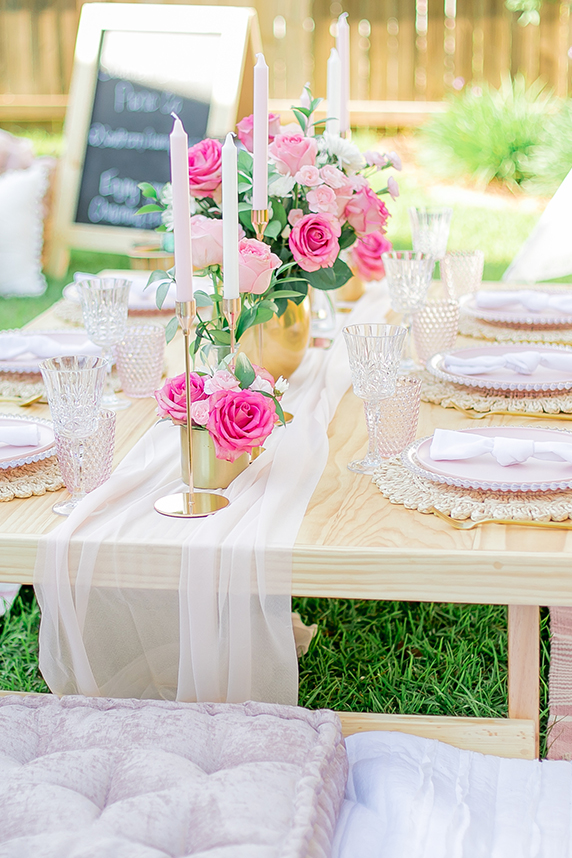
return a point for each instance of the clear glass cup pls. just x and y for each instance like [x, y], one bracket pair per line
[74, 387]
[430, 230]
[462, 272]
[408, 274]
[104, 307]
[435, 328]
[323, 318]
[399, 417]
[139, 358]
[85, 463]
[374, 353]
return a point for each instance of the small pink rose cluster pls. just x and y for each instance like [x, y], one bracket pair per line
[237, 420]
[333, 197]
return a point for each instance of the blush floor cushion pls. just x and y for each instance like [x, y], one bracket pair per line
[409, 797]
[98, 778]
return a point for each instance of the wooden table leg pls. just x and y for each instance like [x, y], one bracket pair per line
[524, 664]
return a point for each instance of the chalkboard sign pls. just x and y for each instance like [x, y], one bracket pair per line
[135, 65]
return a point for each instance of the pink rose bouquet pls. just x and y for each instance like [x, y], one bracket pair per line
[320, 205]
[238, 409]
[365, 255]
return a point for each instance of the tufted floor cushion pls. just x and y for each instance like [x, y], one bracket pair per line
[97, 778]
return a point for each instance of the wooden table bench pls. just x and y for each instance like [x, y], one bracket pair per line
[354, 544]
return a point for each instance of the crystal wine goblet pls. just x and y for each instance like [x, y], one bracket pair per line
[104, 307]
[374, 352]
[74, 386]
[408, 278]
[430, 230]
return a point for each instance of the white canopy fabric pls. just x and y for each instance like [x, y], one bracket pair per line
[547, 252]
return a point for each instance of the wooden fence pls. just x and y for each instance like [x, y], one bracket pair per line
[401, 50]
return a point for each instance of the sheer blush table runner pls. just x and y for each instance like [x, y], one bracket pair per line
[226, 635]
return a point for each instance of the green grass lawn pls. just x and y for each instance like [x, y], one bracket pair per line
[401, 657]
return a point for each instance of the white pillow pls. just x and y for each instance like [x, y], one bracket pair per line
[22, 229]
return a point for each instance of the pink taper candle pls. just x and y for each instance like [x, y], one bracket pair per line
[179, 146]
[343, 46]
[260, 165]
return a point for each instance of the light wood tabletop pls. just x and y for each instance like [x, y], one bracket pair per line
[353, 543]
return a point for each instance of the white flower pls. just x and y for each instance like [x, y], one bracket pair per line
[286, 231]
[281, 186]
[166, 195]
[347, 153]
[167, 218]
[261, 384]
[281, 386]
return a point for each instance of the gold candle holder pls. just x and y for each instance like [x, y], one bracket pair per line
[231, 308]
[189, 504]
[259, 218]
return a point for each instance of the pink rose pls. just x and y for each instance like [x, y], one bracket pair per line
[246, 126]
[239, 421]
[221, 380]
[205, 169]
[263, 373]
[365, 256]
[200, 412]
[171, 400]
[322, 199]
[365, 212]
[314, 241]
[291, 152]
[294, 216]
[333, 177]
[256, 262]
[207, 241]
[309, 176]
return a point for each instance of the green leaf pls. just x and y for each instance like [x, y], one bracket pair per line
[283, 293]
[277, 405]
[151, 207]
[273, 229]
[246, 220]
[329, 278]
[315, 103]
[147, 190]
[300, 117]
[221, 337]
[305, 111]
[161, 293]
[348, 236]
[243, 187]
[202, 299]
[171, 329]
[244, 371]
[158, 275]
[244, 161]
[263, 314]
[244, 207]
[279, 212]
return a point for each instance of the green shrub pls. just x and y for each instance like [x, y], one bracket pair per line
[489, 134]
[551, 161]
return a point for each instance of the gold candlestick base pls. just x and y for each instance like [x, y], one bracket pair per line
[231, 307]
[189, 504]
[259, 218]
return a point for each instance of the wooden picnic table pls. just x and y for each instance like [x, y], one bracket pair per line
[353, 543]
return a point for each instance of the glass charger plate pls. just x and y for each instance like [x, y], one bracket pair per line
[541, 380]
[30, 363]
[15, 457]
[484, 473]
[517, 314]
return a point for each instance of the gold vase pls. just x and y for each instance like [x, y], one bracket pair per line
[352, 290]
[280, 344]
[208, 471]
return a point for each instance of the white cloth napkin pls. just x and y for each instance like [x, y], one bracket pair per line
[20, 436]
[531, 299]
[448, 445]
[524, 363]
[42, 346]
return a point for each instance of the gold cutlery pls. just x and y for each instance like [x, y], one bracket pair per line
[469, 524]
[478, 415]
[21, 402]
